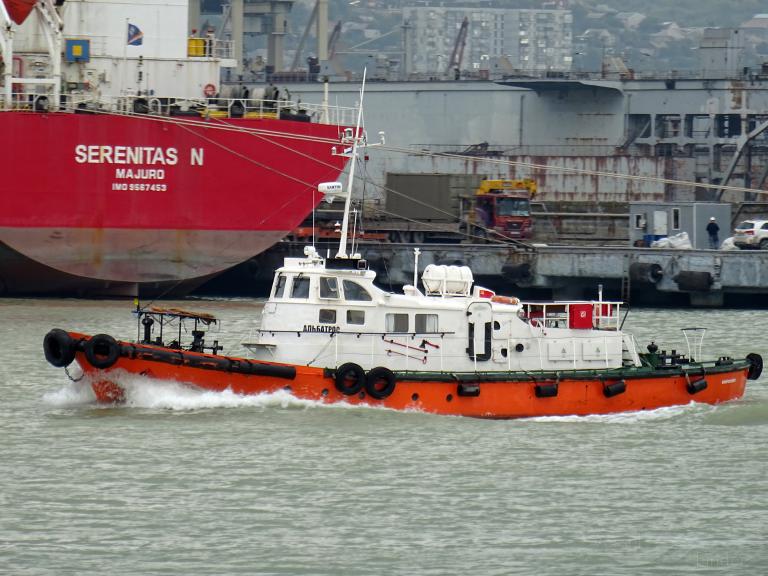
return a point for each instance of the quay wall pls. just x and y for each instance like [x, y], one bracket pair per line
[648, 276]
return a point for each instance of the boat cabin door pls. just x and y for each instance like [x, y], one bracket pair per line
[660, 227]
[480, 331]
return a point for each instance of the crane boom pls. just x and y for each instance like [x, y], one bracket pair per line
[457, 55]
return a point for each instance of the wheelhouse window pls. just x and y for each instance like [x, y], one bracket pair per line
[356, 317]
[353, 291]
[329, 287]
[426, 323]
[396, 323]
[327, 316]
[300, 288]
[280, 286]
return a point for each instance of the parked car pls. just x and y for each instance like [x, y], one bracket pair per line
[751, 234]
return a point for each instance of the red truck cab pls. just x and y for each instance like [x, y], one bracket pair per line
[505, 206]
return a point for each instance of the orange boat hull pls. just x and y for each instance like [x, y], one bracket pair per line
[576, 394]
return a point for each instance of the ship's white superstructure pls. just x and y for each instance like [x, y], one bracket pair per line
[105, 49]
[327, 313]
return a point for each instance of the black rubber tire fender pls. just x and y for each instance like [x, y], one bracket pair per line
[102, 351]
[349, 379]
[374, 379]
[755, 366]
[59, 348]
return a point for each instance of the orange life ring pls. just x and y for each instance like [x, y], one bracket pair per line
[209, 90]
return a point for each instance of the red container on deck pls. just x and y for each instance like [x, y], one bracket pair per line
[580, 316]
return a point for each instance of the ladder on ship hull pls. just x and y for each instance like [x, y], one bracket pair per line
[626, 280]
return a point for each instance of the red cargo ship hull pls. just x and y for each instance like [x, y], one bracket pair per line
[114, 204]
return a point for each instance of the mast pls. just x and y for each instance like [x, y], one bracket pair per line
[342, 253]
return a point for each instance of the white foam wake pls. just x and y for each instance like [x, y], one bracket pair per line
[70, 395]
[150, 393]
[169, 395]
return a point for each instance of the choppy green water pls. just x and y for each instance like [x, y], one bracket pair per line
[185, 482]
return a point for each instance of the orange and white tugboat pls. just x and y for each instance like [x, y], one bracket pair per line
[329, 334]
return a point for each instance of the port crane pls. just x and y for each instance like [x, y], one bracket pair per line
[457, 55]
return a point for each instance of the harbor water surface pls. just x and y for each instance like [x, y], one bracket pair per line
[179, 481]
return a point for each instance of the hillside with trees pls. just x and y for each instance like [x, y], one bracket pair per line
[649, 35]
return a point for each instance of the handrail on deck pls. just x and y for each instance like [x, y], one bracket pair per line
[202, 107]
[599, 314]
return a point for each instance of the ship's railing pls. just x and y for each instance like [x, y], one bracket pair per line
[634, 74]
[578, 314]
[209, 47]
[30, 101]
[486, 76]
[208, 108]
[484, 149]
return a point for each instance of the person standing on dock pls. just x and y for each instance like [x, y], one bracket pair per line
[713, 230]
